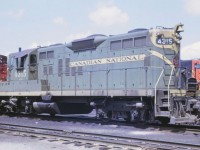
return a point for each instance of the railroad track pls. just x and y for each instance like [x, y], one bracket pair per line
[92, 140]
[172, 127]
[85, 119]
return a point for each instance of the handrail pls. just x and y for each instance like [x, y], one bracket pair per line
[170, 78]
[155, 98]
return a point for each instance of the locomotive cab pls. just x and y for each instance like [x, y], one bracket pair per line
[23, 65]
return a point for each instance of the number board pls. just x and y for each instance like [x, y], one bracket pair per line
[165, 41]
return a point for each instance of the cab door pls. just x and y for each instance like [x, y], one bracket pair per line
[33, 67]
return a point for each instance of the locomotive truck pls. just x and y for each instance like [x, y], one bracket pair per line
[133, 76]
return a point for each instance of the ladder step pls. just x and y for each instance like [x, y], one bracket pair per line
[166, 80]
[164, 105]
[169, 52]
[164, 114]
[168, 70]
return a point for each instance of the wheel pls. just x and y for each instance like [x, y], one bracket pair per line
[128, 119]
[109, 115]
[164, 120]
[52, 115]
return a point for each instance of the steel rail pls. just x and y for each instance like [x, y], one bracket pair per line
[87, 119]
[95, 137]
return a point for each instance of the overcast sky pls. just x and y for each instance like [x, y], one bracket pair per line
[29, 23]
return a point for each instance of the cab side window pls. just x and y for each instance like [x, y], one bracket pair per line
[33, 59]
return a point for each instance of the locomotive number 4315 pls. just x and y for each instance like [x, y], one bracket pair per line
[165, 41]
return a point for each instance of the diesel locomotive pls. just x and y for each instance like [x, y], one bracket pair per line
[133, 76]
[191, 69]
[3, 68]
